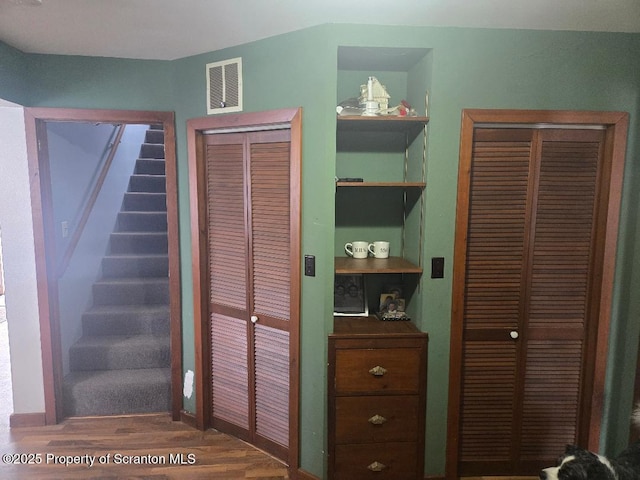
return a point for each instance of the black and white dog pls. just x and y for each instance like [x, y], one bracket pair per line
[580, 464]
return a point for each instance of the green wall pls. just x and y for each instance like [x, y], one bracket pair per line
[96, 82]
[470, 68]
[13, 74]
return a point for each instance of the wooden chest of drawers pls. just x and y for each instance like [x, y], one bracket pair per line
[377, 393]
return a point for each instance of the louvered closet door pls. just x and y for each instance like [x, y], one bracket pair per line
[527, 303]
[249, 244]
[228, 277]
[496, 254]
[561, 308]
[271, 287]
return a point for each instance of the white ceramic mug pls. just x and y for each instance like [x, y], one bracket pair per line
[357, 249]
[379, 249]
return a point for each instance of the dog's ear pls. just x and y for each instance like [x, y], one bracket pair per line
[577, 451]
[571, 449]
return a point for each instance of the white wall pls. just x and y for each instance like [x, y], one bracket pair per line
[19, 263]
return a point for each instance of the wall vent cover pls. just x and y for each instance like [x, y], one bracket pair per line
[224, 86]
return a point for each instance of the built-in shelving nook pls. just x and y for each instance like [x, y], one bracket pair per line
[381, 165]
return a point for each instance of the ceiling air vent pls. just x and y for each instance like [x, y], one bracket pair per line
[224, 86]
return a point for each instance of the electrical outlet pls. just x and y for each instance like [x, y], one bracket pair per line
[65, 229]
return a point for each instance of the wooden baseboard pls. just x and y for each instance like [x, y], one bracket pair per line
[188, 418]
[434, 477]
[18, 420]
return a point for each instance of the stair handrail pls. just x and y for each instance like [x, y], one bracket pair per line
[91, 200]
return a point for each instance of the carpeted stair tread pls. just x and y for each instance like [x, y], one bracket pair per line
[152, 150]
[154, 136]
[134, 281]
[115, 352]
[150, 166]
[115, 392]
[139, 242]
[144, 202]
[126, 320]
[135, 265]
[131, 291]
[147, 183]
[142, 221]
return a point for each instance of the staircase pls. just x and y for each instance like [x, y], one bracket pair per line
[121, 364]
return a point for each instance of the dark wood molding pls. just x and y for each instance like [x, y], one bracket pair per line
[199, 270]
[188, 418]
[296, 288]
[175, 281]
[292, 119]
[47, 284]
[20, 420]
[615, 125]
[35, 119]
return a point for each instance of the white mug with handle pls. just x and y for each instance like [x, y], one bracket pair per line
[379, 249]
[357, 249]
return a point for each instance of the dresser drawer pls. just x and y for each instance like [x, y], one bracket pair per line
[375, 371]
[375, 419]
[388, 461]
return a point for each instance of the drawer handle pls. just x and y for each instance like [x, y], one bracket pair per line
[377, 467]
[378, 371]
[377, 420]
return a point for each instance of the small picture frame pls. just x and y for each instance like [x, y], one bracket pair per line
[390, 303]
[349, 296]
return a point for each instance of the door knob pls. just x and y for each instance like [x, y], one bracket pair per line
[514, 334]
[254, 319]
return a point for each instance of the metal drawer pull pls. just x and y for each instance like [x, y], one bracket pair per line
[377, 420]
[378, 371]
[377, 467]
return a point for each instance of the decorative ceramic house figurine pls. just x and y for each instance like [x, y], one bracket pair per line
[378, 93]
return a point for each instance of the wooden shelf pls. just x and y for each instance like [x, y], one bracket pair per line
[381, 123]
[411, 126]
[383, 184]
[348, 265]
[371, 325]
[378, 134]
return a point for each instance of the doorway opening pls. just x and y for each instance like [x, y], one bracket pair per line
[151, 193]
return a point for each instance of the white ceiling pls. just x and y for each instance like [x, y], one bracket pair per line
[170, 29]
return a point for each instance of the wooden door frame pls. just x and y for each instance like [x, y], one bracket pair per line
[47, 284]
[616, 125]
[196, 128]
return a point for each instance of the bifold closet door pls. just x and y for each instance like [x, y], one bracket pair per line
[249, 245]
[530, 303]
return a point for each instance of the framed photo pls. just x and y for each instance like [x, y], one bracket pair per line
[349, 296]
[390, 303]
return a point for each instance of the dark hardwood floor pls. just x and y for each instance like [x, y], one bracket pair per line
[148, 447]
